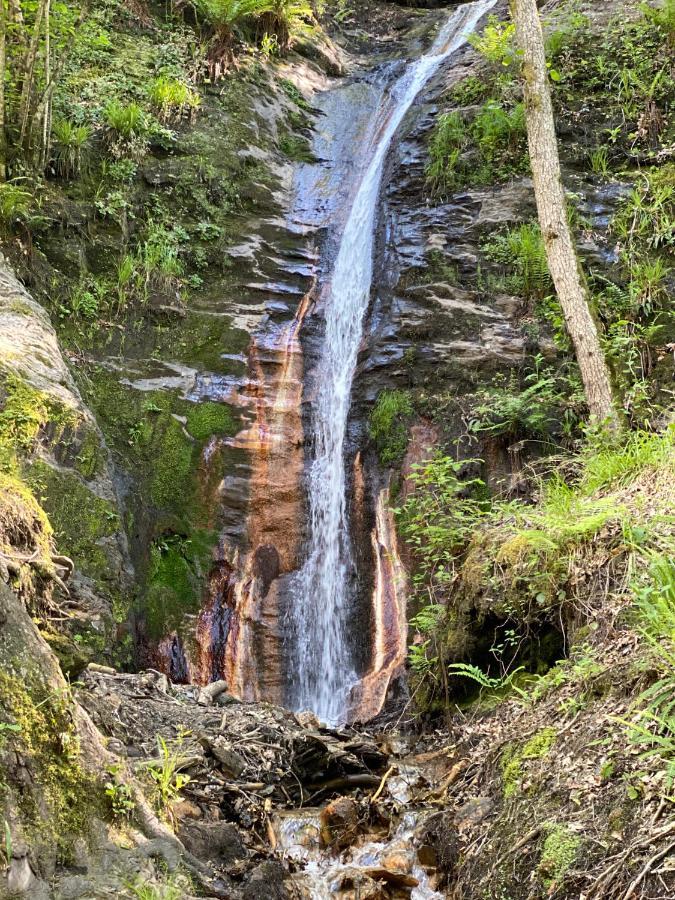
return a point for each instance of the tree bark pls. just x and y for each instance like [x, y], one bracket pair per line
[3, 66]
[563, 262]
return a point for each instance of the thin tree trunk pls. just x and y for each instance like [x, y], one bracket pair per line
[29, 73]
[564, 265]
[3, 65]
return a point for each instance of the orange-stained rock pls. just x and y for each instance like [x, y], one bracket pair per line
[340, 823]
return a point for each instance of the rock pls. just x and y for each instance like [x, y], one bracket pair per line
[307, 719]
[231, 762]
[360, 884]
[219, 842]
[507, 205]
[208, 694]
[473, 812]
[267, 883]
[21, 881]
[340, 823]
[186, 809]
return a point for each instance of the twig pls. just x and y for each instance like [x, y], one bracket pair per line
[648, 866]
[385, 777]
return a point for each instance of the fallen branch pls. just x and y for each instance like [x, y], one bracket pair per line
[384, 780]
[646, 869]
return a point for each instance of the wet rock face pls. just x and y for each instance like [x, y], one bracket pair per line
[65, 462]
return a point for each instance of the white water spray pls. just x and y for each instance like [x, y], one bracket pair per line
[324, 671]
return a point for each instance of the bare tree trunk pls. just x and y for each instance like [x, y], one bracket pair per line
[28, 86]
[549, 192]
[3, 65]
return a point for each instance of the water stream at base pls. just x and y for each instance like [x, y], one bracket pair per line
[323, 669]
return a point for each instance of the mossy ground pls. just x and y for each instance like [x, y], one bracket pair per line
[57, 804]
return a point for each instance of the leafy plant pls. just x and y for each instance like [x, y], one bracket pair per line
[119, 794]
[69, 143]
[522, 253]
[168, 780]
[127, 129]
[173, 98]
[126, 120]
[655, 727]
[544, 406]
[14, 203]
[498, 132]
[599, 159]
[486, 682]
[496, 42]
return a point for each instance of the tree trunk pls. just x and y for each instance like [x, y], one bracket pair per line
[549, 192]
[3, 66]
[28, 86]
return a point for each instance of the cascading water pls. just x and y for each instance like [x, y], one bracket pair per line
[323, 662]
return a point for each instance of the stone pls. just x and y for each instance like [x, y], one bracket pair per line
[231, 762]
[340, 823]
[219, 842]
[208, 694]
[267, 882]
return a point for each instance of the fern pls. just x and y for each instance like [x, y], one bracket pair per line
[474, 673]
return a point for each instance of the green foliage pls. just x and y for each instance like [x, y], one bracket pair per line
[654, 728]
[388, 425]
[126, 120]
[515, 759]
[165, 774]
[70, 141]
[127, 129]
[437, 519]
[296, 147]
[521, 252]
[15, 202]
[663, 17]
[599, 160]
[173, 99]
[647, 216]
[497, 42]
[62, 798]
[606, 465]
[545, 405]
[172, 889]
[486, 682]
[282, 19]
[119, 794]
[497, 132]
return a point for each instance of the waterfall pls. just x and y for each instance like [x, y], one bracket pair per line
[322, 595]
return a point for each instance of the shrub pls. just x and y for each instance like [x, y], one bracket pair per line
[496, 42]
[69, 142]
[173, 99]
[498, 133]
[127, 121]
[285, 19]
[14, 204]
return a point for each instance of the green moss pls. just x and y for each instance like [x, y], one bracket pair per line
[537, 747]
[173, 589]
[91, 456]
[23, 413]
[558, 855]
[388, 425]
[80, 519]
[172, 477]
[207, 419]
[47, 741]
